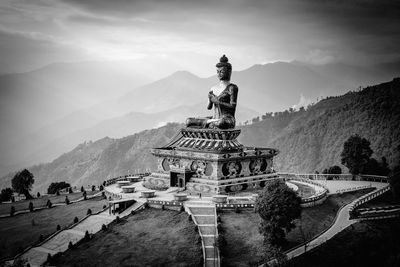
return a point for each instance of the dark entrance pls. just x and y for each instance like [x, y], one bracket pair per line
[179, 179]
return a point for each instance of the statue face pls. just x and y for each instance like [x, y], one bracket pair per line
[223, 74]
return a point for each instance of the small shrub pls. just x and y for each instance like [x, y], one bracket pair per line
[49, 257]
[93, 188]
[104, 206]
[49, 204]
[58, 227]
[67, 200]
[132, 212]
[38, 195]
[70, 245]
[104, 227]
[162, 207]
[182, 209]
[220, 228]
[58, 193]
[76, 220]
[70, 190]
[12, 211]
[101, 187]
[82, 189]
[196, 229]
[219, 218]
[87, 235]
[84, 194]
[118, 219]
[30, 206]
[89, 212]
[237, 210]
[103, 194]
[190, 219]
[198, 239]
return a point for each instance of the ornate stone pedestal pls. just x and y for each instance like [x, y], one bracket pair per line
[212, 161]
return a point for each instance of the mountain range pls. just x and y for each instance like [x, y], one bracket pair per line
[309, 139]
[36, 125]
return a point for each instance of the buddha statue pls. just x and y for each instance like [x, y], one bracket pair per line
[222, 98]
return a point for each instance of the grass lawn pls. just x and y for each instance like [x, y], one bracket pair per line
[18, 232]
[149, 238]
[244, 242]
[41, 202]
[373, 243]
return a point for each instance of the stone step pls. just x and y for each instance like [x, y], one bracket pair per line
[209, 240]
[207, 230]
[205, 219]
[202, 210]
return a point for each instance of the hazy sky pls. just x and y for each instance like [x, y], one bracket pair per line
[190, 34]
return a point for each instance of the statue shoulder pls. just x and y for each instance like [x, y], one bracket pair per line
[233, 88]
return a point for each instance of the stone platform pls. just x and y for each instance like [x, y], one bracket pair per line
[212, 161]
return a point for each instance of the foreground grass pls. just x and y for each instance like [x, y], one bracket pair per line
[42, 201]
[149, 238]
[22, 230]
[374, 243]
[244, 242]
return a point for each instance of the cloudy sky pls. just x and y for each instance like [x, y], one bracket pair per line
[189, 34]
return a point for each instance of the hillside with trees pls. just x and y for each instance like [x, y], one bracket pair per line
[312, 139]
[309, 139]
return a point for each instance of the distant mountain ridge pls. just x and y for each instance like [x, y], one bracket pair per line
[262, 88]
[308, 140]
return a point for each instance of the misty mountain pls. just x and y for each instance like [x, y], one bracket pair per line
[308, 139]
[262, 88]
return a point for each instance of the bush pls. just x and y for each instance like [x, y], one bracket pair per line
[117, 219]
[182, 209]
[162, 207]
[196, 229]
[67, 200]
[104, 227]
[104, 206]
[84, 194]
[221, 244]
[70, 190]
[219, 218]
[82, 189]
[38, 195]
[101, 187]
[58, 227]
[70, 245]
[87, 235]
[48, 257]
[237, 210]
[93, 188]
[76, 220]
[190, 219]
[57, 193]
[89, 212]
[6, 194]
[30, 206]
[220, 228]
[12, 211]
[49, 204]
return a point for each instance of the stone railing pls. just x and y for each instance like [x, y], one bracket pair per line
[124, 178]
[344, 177]
[358, 202]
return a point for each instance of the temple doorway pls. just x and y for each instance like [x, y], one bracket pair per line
[178, 179]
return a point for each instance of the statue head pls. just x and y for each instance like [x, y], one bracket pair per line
[224, 69]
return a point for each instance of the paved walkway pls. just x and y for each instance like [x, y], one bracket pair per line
[204, 218]
[36, 256]
[342, 220]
